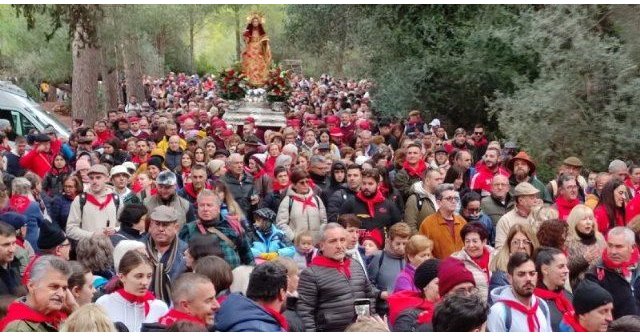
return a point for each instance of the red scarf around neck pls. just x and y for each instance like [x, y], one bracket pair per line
[277, 186]
[571, 319]
[562, 303]
[20, 311]
[138, 299]
[371, 202]
[483, 261]
[174, 316]
[306, 201]
[278, 316]
[532, 318]
[621, 267]
[20, 203]
[101, 205]
[342, 267]
[416, 171]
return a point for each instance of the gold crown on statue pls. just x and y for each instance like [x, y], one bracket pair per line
[256, 15]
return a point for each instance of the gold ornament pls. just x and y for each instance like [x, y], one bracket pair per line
[256, 15]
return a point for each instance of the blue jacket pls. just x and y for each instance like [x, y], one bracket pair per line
[59, 211]
[34, 222]
[239, 314]
[275, 242]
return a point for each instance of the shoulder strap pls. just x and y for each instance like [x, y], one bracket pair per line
[221, 236]
[545, 309]
[419, 201]
[83, 202]
[116, 202]
[507, 318]
[290, 204]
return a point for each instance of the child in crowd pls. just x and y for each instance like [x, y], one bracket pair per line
[352, 224]
[372, 243]
[304, 249]
[419, 248]
[270, 242]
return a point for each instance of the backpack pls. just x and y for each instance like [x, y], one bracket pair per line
[315, 197]
[83, 202]
[508, 317]
[420, 201]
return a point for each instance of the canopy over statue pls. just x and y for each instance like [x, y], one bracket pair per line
[256, 57]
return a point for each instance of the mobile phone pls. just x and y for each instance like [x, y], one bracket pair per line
[362, 307]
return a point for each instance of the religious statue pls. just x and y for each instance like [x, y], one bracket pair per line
[256, 57]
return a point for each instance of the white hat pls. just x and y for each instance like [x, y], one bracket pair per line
[435, 122]
[120, 169]
[361, 159]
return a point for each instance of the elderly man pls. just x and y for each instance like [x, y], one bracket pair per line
[329, 287]
[165, 250]
[240, 185]
[570, 166]
[173, 156]
[413, 169]
[235, 247]
[94, 212]
[443, 227]
[499, 201]
[120, 180]
[618, 272]
[618, 169]
[48, 302]
[526, 197]
[166, 183]
[523, 169]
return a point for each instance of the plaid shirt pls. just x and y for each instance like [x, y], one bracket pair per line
[241, 255]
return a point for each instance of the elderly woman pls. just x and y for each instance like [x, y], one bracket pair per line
[476, 255]
[519, 239]
[584, 243]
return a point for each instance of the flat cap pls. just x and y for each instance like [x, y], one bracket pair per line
[572, 161]
[98, 169]
[525, 188]
[164, 213]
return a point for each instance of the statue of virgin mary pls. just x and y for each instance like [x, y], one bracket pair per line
[256, 57]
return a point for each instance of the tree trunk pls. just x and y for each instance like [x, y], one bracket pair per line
[236, 10]
[161, 49]
[133, 68]
[109, 78]
[191, 38]
[84, 96]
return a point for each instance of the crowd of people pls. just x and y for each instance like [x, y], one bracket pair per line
[162, 217]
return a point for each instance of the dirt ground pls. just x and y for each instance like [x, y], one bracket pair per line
[50, 106]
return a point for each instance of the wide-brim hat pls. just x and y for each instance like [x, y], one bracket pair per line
[525, 157]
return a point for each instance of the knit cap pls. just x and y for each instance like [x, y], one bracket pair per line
[589, 296]
[452, 273]
[426, 272]
[50, 236]
[375, 236]
[14, 219]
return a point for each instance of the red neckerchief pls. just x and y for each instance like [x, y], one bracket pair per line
[93, 200]
[188, 188]
[174, 316]
[138, 299]
[20, 311]
[342, 267]
[417, 171]
[622, 267]
[306, 201]
[562, 303]
[277, 186]
[565, 206]
[20, 203]
[406, 299]
[371, 202]
[570, 319]
[279, 317]
[428, 308]
[532, 318]
[483, 261]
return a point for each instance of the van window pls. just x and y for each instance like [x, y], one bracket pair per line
[21, 125]
[13, 119]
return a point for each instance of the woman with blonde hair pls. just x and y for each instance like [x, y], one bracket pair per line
[584, 243]
[519, 239]
[88, 318]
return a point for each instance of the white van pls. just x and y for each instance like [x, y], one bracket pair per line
[25, 114]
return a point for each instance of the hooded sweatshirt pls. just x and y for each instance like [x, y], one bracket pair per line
[238, 314]
[496, 321]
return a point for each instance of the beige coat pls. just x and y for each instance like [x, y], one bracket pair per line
[479, 276]
[298, 220]
[84, 223]
[507, 221]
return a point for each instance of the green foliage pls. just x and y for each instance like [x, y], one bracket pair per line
[584, 101]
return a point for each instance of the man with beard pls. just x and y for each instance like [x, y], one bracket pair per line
[618, 271]
[166, 183]
[261, 309]
[479, 141]
[515, 307]
[345, 192]
[523, 169]
[486, 170]
[142, 152]
[499, 201]
[413, 170]
[198, 183]
[375, 211]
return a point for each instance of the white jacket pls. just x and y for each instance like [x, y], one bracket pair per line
[498, 313]
[132, 315]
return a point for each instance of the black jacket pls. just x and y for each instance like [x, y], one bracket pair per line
[10, 279]
[291, 314]
[336, 200]
[172, 159]
[242, 190]
[626, 296]
[321, 182]
[273, 200]
[385, 215]
[326, 297]
[407, 321]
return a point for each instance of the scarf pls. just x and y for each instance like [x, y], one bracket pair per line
[101, 205]
[406, 299]
[20, 203]
[174, 316]
[417, 172]
[20, 311]
[162, 267]
[621, 267]
[571, 319]
[587, 238]
[483, 261]
[277, 186]
[340, 266]
[306, 201]
[532, 319]
[562, 303]
[371, 202]
[565, 206]
[135, 299]
[426, 315]
[282, 321]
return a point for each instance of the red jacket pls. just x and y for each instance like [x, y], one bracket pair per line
[482, 178]
[602, 218]
[40, 162]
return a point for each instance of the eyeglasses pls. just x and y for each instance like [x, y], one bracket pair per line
[478, 133]
[466, 291]
[451, 199]
[524, 242]
[303, 182]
